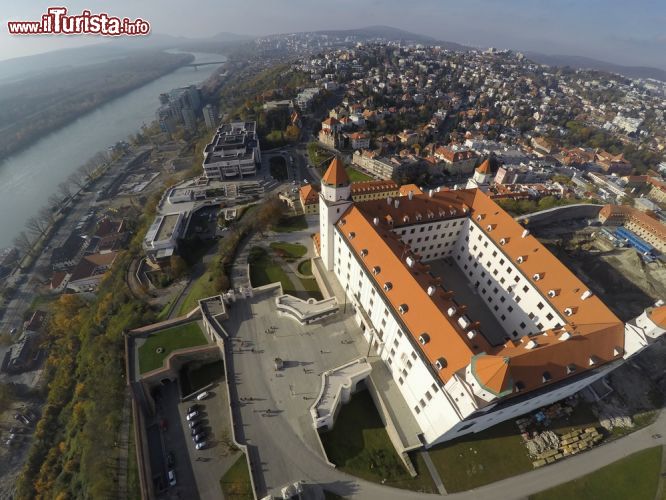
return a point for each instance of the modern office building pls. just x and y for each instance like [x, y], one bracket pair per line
[233, 152]
[475, 319]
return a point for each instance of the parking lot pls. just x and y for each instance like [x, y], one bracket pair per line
[198, 472]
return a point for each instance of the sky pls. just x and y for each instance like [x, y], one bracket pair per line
[620, 31]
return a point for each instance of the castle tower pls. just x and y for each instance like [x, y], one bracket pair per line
[481, 178]
[334, 199]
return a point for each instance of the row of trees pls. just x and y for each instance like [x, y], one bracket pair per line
[38, 225]
[73, 454]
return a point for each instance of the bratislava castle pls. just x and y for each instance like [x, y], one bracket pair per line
[542, 336]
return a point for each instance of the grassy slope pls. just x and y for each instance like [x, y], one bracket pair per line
[635, 477]
[178, 337]
[358, 444]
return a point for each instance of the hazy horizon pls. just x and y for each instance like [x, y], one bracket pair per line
[625, 33]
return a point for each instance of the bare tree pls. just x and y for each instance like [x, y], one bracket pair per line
[23, 243]
[64, 189]
[87, 170]
[36, 225]
[77, 179]
[54, 202]
[46, 214]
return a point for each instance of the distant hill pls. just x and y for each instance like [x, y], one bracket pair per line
[391, 33]
[589, 63]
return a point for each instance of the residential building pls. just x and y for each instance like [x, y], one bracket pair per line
[457, 161]
[210, 116]
[90, 270]
[68, 254]
[309, 198]
[358, 140]
[380, 167]
[179, 107]
[233, 152]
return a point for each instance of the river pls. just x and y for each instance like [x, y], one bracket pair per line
[27, 179]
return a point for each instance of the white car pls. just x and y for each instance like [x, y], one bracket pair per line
[202, 396]
[201, 445]
[172, 478]
[192, 416]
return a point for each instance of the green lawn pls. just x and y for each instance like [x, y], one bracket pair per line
[264, 270]
[357, 176]
[178, 337]
[482, 458]
[236, 484]
[311, 287]
[291, 224]
[291, 251]
[358, 444]
[305, 268]
[200, 289]
[164, 312]
[635, 477]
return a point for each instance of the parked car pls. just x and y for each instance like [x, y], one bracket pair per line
[201, 445]
[172, 477]
[192, 415]
[171, 459]
[193, 424]
[199, 437]
[202, 396]
[192, 408]
[12, 331]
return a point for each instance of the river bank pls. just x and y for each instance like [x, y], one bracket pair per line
[29, 178]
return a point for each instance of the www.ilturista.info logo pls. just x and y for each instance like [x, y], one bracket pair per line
[56, 21]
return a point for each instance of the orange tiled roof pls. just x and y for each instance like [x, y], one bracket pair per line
[373, 186]
[595, 331]
[330, 121]
[336, 174]
[309, 194]
[493, 373]
[658, 316]
[406, 188]
[484, 168]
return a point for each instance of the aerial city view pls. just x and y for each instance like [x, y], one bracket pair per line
[320, 250]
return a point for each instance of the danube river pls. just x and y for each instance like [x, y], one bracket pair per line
[27, 179]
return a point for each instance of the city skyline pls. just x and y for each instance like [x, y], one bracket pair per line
[612, 31]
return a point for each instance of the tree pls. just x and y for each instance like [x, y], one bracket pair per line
[36, 225]
[178, 266]
[77, 179]
[46, 214]
[23, 243]
[64, 189]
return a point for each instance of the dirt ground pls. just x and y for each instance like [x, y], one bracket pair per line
[618, 276]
